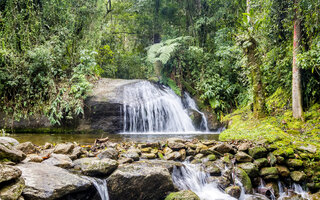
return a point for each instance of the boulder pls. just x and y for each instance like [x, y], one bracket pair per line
[222, 148]
[173, 156]
[244, 179]
[76, 153]
[132, 153]
[9, 152]
[12, 190]
[294, 163]
[49, 182]
[212, 157]
[59, 160]
[10, 140]
[213, 170]
[8, 173]
[168, 164]
[148, 155]
[283, 170]
[234, 191]
[95, 166]
[176, 145]
[182, 195]
[250, 168]
[64, 148]
[139, 182]
[244, 146]
[33, 158]
[27, 148]
[261, 162]
[109, 153]
[243, 157]
[269, 173]
[258, 152]
[310, 148]
[298, 176]
[221, 181]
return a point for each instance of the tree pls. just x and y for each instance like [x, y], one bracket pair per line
[296, 73]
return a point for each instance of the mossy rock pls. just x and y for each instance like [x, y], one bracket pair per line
[269, 173]
[250, 168]
[258, 152]
[244, 179]
[284, 152]
[294, 163]
[261, 162]
[212, 157]
[298, 176]
[182, 195]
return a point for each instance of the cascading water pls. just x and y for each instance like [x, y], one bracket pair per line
[101, 187]
[151, 108]
[190, 103]
[192, 177]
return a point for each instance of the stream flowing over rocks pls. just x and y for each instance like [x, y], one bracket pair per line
[172, 169]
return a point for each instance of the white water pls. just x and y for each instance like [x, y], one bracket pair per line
[296, 189]
[192, 104]
[192, 177]
[149, 108]
[101, 186]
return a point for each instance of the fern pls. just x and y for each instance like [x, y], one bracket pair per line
[163, 51]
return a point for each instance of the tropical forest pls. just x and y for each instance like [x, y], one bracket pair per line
[159, 99]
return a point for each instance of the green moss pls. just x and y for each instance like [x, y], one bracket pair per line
[182, 195]
[278, 101]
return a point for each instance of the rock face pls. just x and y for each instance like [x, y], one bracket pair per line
[9, 152]
[95, 166]
[131, 182]
[50, 182]
[8, 173]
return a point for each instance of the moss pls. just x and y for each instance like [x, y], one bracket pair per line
[278, 101]
[182, 195]
[211, 157]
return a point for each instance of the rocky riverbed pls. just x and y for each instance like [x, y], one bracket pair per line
[145, 170]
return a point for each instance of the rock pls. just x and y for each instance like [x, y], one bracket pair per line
[269, 173]
[149, 144]
[64, 148]
[310, 148]
[261, 162]
[283, 170]
[148, 155]
[49, 182]
[146, 150]
[223, 182]
[213, 170]
[27, 147]
[173, 156]
[9, 152]
[176, 145]
[125, 160]
[139, 182]
[34, 158]
[159, 163]
[315, 196]
[47, 145]
[167, 150]
[183, 154]
[176, 140]
[212, 157]
[201, 148]
[234, 191]
[59, 160]
[250, 168]
[8, 173]
[109, 153]
[274, 187]
[294, 163]
[272, 159]
[13, 190]
[10, 140]
[298, 176]
[244, 146]
[244, 179]
[182, 195]
[222, 148]
[95, 166]
[256, 197]
[243, 157]
[132, 153]
[258, 152]
[76, 153]
[294, 197]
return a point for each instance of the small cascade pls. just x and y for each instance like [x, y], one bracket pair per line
[192, 177]
[295, 189]
[148, 107]
[191, 104]
[101, 187]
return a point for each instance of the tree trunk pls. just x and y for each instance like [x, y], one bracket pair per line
[296, 74]
[254, 64]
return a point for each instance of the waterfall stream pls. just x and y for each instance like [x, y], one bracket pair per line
[101, 187]
[151, 108]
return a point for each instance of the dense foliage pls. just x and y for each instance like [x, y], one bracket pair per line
[51, 51]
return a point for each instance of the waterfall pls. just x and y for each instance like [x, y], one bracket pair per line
[295, 189]
[101, 186]
[192, 177]
[190, 103]
[151, 108]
